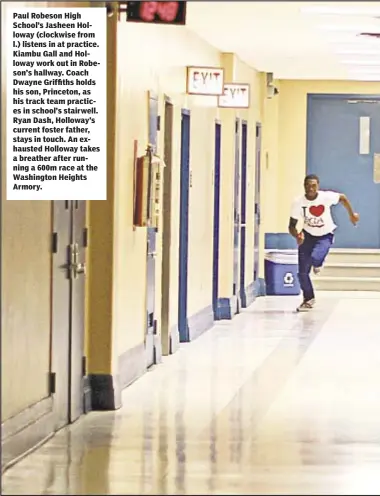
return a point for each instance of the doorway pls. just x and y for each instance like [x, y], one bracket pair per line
[236, 256]
[342, 140]
[183, 327]
[257, 221]
[68, 367]
[215, 249]
[243, 211]
[170, 338]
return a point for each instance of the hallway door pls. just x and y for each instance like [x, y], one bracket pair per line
[256, 237]
[69, 241]
[236, 257]
[243, 210]
[215, 263]
[337, 126]
[151, 322]
[184, 226]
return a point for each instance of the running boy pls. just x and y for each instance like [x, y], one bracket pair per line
[317, 236]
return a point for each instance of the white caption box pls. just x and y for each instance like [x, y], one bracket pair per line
[56, 103]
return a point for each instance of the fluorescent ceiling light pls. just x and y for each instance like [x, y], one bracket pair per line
[353, 40]
[328, 10]
[364, 72]
[375, 78]
[361, 62]
[358, 51]
[374, 28]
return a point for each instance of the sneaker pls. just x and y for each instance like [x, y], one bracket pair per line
[317, 270]
[306, 306]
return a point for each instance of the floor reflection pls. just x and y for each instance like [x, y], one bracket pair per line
[271, 403]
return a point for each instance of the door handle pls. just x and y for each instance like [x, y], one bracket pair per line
[76, 267]
[80, 268]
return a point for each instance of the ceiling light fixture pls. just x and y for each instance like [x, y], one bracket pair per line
[350, 28]
[369, 71]
[358, 51]
[369, 78]
[325, 10]
[352, 39]
[365, 62]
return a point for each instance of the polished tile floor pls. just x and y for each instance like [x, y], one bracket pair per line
[272, 403]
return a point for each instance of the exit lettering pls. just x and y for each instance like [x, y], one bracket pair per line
[205, 81]
[234, 92]
[235, 95]
[203, 78]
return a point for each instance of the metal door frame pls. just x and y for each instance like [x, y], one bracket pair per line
[79, 237]
[151, 321]
[67, 359]
[236, 210]
[215, 264]
[166, 331]
[257, 213]
[183, 326]
[243, 209]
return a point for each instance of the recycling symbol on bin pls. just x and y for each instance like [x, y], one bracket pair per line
[288, 278]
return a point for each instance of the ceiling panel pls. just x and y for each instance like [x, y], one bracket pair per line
[296, 40]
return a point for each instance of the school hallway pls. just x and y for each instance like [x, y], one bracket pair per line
[273, 402]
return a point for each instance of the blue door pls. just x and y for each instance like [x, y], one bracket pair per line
[236, 274]
[243, 208]
[215, 264]
[333, 154]
[151, 326]
[256, 238]
[184, 226]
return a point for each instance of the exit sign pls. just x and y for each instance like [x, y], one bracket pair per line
[207, 81]
[235, 95]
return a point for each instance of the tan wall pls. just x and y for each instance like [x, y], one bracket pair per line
[165, 74]
[116, 282]
[244, 73]
[25, 281]
[286, 126]
[237, 71]
[99, 288]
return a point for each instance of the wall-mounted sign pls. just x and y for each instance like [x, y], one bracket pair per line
[207, 81]
[157, 12]
[235, 95]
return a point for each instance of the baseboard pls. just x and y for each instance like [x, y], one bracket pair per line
[87, 402]
[200, 322]
[26, 431]
[106, 388]
[227, 308]
[248, 296]
[132, 365]
[174, 342]
[105, 392]
[260, 287]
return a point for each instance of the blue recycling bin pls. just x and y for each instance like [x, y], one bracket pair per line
[281, 270]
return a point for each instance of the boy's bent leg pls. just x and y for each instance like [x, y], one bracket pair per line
[321, 250]
[304, 267]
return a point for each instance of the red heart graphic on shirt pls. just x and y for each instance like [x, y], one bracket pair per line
[317, 211]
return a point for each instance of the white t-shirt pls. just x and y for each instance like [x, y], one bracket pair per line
[316, 214]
